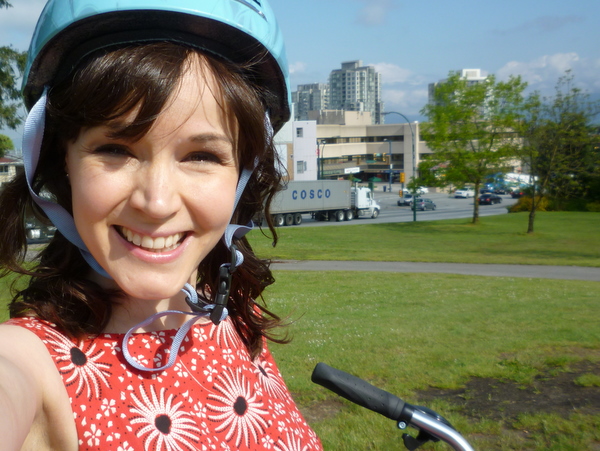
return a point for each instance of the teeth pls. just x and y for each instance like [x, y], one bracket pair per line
[158, 244]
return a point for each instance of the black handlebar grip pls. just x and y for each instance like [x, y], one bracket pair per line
[360, 392]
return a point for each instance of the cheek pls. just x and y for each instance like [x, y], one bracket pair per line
[93, 198]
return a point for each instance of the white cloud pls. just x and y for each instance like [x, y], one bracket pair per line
[297, 67]
[391, 73]
[375, 12]
[407, 101]
[543, 24]
[543, 72]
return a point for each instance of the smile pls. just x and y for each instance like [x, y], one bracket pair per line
[159, 244]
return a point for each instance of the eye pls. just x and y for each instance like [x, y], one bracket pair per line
[112, 150]
[203, 157]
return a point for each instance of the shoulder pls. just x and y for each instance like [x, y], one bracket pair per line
[32, 394]
[23, 354]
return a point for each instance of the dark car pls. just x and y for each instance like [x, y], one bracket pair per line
[406, 201]
[517, 193]
[425, 204]
[489, 199]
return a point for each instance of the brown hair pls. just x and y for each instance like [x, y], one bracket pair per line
[102, 89]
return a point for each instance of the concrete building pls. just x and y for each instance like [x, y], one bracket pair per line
[355, 87]
[9, 168]
[311, 97]
[471, 75]
[345, 144]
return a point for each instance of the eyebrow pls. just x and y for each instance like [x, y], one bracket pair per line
[208, 137]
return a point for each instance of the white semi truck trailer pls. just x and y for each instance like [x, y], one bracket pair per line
[325, 200]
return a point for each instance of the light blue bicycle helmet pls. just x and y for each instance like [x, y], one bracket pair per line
[240, 31]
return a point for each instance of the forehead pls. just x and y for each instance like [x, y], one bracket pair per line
[195, 95]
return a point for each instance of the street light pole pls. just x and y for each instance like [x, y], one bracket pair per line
[414, 160]
[322, 161]
[389, 141]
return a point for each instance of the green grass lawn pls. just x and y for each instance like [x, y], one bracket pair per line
[408, 332]
[560, 239]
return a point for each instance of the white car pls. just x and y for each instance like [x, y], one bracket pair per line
[420, 190]
[465, 193]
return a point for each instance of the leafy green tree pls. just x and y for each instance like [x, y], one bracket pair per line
[471, 129]
[560, 145]
[12, 64]
[6, 144]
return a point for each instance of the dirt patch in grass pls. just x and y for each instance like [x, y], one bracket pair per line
[506, 400]
[322, 410]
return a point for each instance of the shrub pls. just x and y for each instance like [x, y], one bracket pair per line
[593, 206]
[524, 204]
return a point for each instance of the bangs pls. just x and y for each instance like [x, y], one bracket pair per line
[112, 85]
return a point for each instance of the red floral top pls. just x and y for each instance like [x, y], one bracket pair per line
[214, 397]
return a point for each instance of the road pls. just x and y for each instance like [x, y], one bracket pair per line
[447, 208]
[492, 270]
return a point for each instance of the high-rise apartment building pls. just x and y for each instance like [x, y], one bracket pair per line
[311, 97]
[471, 75]
[355, 87]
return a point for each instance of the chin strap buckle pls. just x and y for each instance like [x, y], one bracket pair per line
[224, 287]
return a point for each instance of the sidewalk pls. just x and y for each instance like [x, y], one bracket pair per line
[492, 270]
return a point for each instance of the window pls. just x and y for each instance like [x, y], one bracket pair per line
[300, 167]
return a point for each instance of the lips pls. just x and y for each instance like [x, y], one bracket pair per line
[158, 244]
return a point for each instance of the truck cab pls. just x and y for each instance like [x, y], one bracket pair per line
[363, 203]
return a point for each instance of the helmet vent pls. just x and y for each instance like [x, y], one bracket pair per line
[254, 5]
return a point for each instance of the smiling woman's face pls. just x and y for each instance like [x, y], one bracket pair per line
[149, 211]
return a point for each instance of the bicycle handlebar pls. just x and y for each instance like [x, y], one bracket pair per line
[366, 395]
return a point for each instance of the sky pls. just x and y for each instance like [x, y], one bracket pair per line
[414, 43]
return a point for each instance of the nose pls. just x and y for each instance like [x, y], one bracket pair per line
[156, 191]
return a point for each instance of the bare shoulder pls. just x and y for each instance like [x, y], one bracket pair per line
[33, 400]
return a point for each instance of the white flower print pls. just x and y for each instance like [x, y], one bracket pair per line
[237, 408]
[270, 379]
[80, 364]
[125, 447]
[209, 371]
[108, 407]
[226, 335]
[162, 424]
[291, 444]
[93, 435]
[228, 356]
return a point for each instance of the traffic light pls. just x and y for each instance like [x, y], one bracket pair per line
[402, 178]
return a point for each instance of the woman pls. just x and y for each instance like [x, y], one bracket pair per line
[148, 142]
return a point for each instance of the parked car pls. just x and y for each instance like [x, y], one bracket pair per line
[425, 204]
[465, 193]
[515, 194]
[489, 199]
[406, 201]
[420, 190]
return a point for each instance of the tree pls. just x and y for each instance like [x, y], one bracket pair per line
[471, 129]
[560, 144]
[5, 145]
[12, 65]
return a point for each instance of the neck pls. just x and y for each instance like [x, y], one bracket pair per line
[130, 312]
